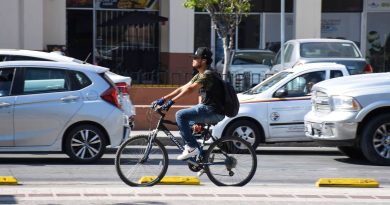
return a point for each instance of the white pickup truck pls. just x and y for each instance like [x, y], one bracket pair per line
[353, 113]
[273, 111]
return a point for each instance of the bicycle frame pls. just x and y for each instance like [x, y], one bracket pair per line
[161, 127]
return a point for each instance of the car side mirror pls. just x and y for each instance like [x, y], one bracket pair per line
[281, 93]
[267, 62]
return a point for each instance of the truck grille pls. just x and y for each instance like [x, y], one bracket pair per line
[320, 102]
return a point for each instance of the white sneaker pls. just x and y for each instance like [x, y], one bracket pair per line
[209, 141]
[188, 153]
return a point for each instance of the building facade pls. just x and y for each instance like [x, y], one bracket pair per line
[151, 40]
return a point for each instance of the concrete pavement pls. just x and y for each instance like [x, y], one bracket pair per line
[252, 193]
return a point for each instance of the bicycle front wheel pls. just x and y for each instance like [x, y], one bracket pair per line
[230, 162]
[138, 164]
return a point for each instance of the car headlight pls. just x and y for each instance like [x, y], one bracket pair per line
[345, 103]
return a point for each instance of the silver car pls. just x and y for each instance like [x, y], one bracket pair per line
[58, 106]
[122, 82]
[304, 51]
[247, 67]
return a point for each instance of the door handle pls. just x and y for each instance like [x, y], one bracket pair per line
[4, 104]
[70, 98]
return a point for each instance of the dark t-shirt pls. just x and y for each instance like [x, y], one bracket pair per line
[212, 90]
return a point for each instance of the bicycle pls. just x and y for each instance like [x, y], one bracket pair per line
[223, 160]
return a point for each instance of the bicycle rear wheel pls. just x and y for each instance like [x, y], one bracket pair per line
[230, 162]
[133, 165]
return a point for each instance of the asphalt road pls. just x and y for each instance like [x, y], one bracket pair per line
[284, 174]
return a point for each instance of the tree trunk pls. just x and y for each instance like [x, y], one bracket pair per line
[226, 52]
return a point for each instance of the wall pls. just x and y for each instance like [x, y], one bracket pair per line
[32, 24]
[307, 18]
[177, 37]
[27, 24]
[142, 97]
[9, 22]
[54, 22]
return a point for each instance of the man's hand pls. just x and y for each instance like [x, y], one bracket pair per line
[159, 102]
[168, 105]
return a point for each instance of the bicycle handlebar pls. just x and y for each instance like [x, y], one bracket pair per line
[157, 108]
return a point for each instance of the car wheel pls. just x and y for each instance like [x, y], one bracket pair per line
[351, 152]
[246, 130]
[85, 143]
[375, 142]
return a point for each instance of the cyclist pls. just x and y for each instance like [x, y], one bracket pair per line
[208, 111]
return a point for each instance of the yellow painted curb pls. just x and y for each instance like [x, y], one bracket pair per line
[8, 180]
[172, 180]
[347, 182]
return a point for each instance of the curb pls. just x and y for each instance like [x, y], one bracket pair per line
[172, 180]
[348, 182]
[8, 180]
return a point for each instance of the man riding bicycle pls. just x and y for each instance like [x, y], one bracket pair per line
[208, 111]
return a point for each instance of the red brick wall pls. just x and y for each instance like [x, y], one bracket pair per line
[142, 97]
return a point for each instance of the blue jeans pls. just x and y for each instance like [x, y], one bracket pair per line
[198, 114]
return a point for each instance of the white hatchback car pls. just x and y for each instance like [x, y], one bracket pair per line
[273, 111]
[122, 82]
[57, 106]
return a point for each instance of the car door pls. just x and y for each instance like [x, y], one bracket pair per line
[286, 113]
[6, 107]
[44, 106]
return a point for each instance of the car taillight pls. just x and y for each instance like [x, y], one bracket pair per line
[122, 88]
[111, 96]
[367, 68]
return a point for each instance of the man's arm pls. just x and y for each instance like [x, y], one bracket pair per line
[186, 90]
[176, 91]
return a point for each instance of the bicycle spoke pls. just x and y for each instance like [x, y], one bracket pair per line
[132, 161]
[232, 165]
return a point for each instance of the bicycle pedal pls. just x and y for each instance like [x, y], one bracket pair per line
[200, 173]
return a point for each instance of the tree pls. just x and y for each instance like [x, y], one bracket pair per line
[225, 15]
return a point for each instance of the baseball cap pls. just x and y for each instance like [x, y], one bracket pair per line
[203, 52]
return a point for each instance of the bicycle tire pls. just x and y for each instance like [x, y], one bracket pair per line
[217, 164]
[128, 158]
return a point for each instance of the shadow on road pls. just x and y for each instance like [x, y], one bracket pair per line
[348, 160]
[43, 161]
[299, 152]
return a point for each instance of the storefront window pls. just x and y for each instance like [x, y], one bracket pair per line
[151, 5]
[378, 41]
[79, 3]
[341, 26]
[249, 32]
[342, 6]
[202, 30]
[126, 45]
[271, 5]
[272, 34]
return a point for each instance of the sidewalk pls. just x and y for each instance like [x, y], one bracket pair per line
[306, 194]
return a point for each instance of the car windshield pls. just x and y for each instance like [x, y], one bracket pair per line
[328, 50]
[266, 84]
[244, 58]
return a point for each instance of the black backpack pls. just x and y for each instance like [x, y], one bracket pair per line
[230, 100]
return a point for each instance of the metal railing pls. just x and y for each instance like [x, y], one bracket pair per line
[240, 82]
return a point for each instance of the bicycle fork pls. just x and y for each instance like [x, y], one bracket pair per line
[149, 146]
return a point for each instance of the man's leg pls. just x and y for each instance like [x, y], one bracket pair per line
[184, 118]
[198, 114]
